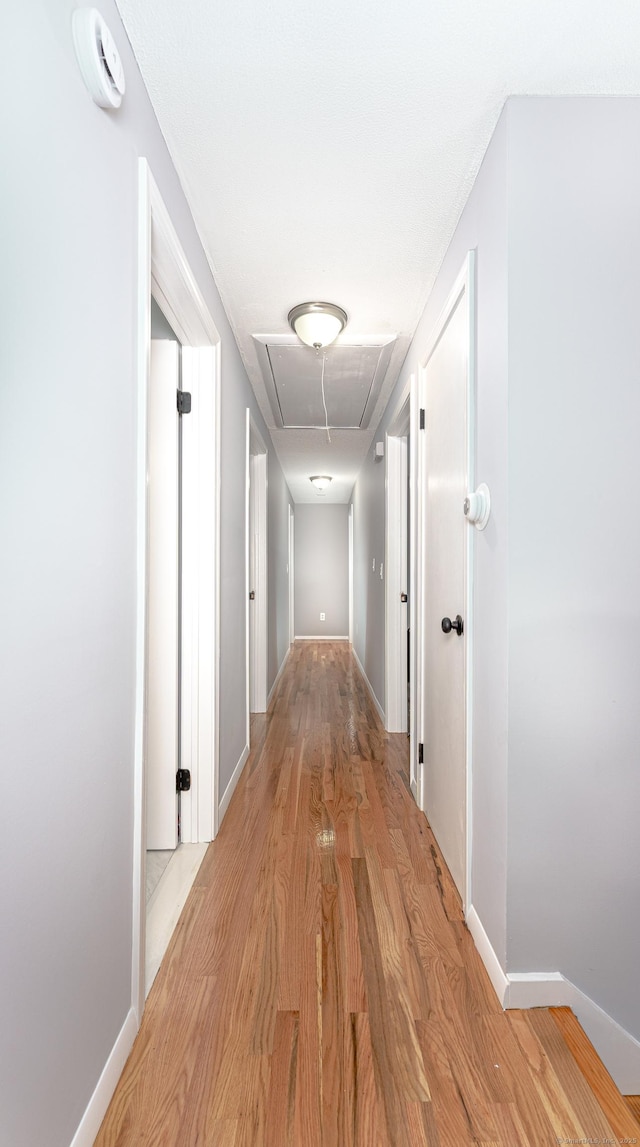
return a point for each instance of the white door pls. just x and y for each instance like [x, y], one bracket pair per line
[162, 600]
[444, 602]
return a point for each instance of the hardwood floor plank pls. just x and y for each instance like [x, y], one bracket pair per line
[566, 1122]
[293, 923]
[308, 1092]
[321, 988]
[367, 1118]
[450, 1114]
[422, 1128]
[353, 977]
[384, 1059]
[337, 1067]
[619, 1113]
[415, 981]
[531, 1110]
[406, 1057]
[282, 1085]
[223, 1133]
[588, 1111]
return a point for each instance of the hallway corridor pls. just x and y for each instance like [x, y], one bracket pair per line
[321, 987]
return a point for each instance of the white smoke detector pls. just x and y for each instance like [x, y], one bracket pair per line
[98, 57]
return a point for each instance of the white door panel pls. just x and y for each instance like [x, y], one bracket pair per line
[162, 608]
[444, 685]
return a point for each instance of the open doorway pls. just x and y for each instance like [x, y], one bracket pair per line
[186, 357]
[163, 669]
[169, 860]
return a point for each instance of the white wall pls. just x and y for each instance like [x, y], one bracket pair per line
[321, 570]
[574, 608]
[68, 479]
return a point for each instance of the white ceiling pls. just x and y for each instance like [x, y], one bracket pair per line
[327, 151]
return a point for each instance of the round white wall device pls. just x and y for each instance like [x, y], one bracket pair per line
[98, 57]
[477, 507]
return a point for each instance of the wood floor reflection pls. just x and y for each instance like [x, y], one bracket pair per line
[321, 987]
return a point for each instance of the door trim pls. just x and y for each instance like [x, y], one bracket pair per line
[292, 599]
[396, 566]
[163, 270]
[464, 285]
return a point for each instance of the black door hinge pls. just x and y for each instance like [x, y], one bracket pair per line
[183, 781]
[184, 402]
[421, 754]
[422, 418]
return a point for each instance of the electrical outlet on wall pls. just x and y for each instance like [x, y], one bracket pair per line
[323, 617]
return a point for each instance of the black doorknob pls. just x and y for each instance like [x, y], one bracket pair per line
[448, 625]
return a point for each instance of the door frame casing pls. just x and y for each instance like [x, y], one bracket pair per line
[256, 650]
[464, 285]
[397, 540]
[164, 272]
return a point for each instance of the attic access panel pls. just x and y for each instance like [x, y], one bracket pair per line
[352, 379]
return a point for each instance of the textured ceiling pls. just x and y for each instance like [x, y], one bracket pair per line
[327, 150]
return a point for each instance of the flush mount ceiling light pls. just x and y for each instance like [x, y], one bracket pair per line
[320, 481]
[317, 324]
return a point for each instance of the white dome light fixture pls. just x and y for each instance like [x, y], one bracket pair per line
[321, 481]
[317, 324]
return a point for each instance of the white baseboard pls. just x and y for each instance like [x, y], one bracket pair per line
[487, 955]
[537, 990]
[97, 1107]
[323, 637]
[370, 688]
[230, 789]
[278, 676]
[617, 1048]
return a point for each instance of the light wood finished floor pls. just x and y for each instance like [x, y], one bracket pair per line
[321, 987]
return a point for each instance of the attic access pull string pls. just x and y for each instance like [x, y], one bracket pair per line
[324, 402]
